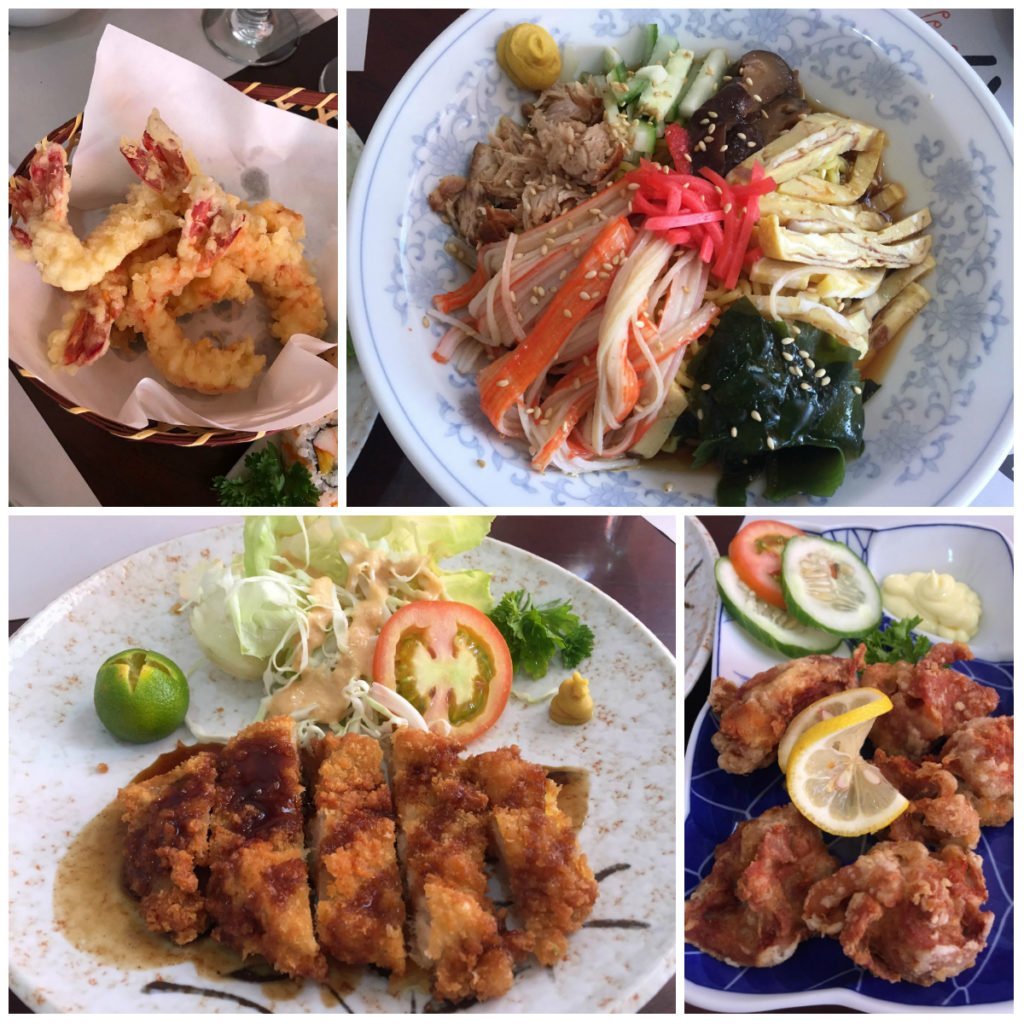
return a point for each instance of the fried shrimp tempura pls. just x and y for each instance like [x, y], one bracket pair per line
[40, 201]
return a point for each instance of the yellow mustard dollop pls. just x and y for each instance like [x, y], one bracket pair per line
[572, 705]
[947, 607]
[529, 56]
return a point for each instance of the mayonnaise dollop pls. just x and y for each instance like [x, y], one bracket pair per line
[947, 607]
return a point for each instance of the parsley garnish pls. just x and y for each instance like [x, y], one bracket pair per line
[536, 633]
[266, 482]
[896, 644]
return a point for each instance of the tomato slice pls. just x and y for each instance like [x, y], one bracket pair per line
[756, 555]
[449, 661]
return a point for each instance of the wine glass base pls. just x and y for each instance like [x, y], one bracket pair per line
[218, 30]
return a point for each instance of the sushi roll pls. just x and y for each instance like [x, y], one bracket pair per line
[315, 446]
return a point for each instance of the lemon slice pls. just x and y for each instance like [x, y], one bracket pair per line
[832, 785]
[822, 710]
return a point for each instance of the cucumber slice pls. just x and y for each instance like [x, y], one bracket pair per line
[828, 587]
[764, 622]
[650, 39]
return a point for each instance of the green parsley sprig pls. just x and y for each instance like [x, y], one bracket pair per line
[536, 633]
[266, 482]
[896, 644]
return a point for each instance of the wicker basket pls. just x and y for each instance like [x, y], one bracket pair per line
[317, 106]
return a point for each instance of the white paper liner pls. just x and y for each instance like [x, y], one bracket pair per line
[255, 151]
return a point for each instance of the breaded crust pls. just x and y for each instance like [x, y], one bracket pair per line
[552, 886]
[360, 912]
[258, 894]
[168, 817]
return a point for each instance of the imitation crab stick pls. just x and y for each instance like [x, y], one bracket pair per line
[503, 382]
[461, 296]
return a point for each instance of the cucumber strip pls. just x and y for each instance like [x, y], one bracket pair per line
[644, 138]
[764, 622]
[650, 38]
[660, 99]
[664, 46]
[706, 83]
[828, 587]
[611, 59]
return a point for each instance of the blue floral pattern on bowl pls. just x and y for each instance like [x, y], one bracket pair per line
[942, 420]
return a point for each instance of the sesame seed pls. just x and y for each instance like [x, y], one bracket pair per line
[764, 114]
[567, 314]
[606, 266]
[755, 415]
[481, 463]
[503, 383]
[804, 354]
[741, 135]
[667, 488]
[545, 249]
[705, 121]
[857, 390]
[757, 99]
[722, 149]
[712, 114]
[787, 341]
[585, 296]
[751, 145]
[563, 275]
[819, 373]
[700, 147]
[788, 356]
[794, 371]
[733, 431]
[534, 301]
[688, 157]
[590, 275]
[632, 186]
[770, 441]
[727, 208]
[804, 386]
[426, 321]
[541, 290]
[825, 381]
[810, 364]
[705, 387]
[711, 130]
[700, 414]
[748, 81]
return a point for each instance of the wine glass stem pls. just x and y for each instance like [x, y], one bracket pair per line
[251, 26]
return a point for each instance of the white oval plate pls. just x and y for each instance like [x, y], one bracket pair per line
[700, 599]
[941, 425]
[57, 741]
[360, 411]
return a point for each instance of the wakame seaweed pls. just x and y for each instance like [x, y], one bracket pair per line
[774, 399]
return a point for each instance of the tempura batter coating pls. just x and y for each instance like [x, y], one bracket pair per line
[980, 755]
[553, 889]
[168, 817]
[258, 893]
[929, 700]
[748, 911]
[444, 833]
[753, 716]
[360, 912]
[906, 914]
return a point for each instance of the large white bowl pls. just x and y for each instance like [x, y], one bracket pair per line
[943, 421]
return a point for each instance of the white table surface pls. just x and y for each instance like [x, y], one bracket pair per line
[49, 554]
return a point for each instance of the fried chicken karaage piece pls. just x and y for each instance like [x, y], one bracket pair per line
[906, 914]
[443, 818]
[258, 894]
[748, 911]
[553, 889]
[937, 813]
[980, 755]
[753, 717]
[360, 912]
[929, 700]
[168, 817]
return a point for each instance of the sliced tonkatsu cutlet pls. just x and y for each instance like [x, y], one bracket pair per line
[168, 818]
[360, 912]
[553, 889]
[258, 895]
[442, 816]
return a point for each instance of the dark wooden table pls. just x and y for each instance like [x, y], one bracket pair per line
[624, 556]
[722, 530]
[124, 472]
[382, 474]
